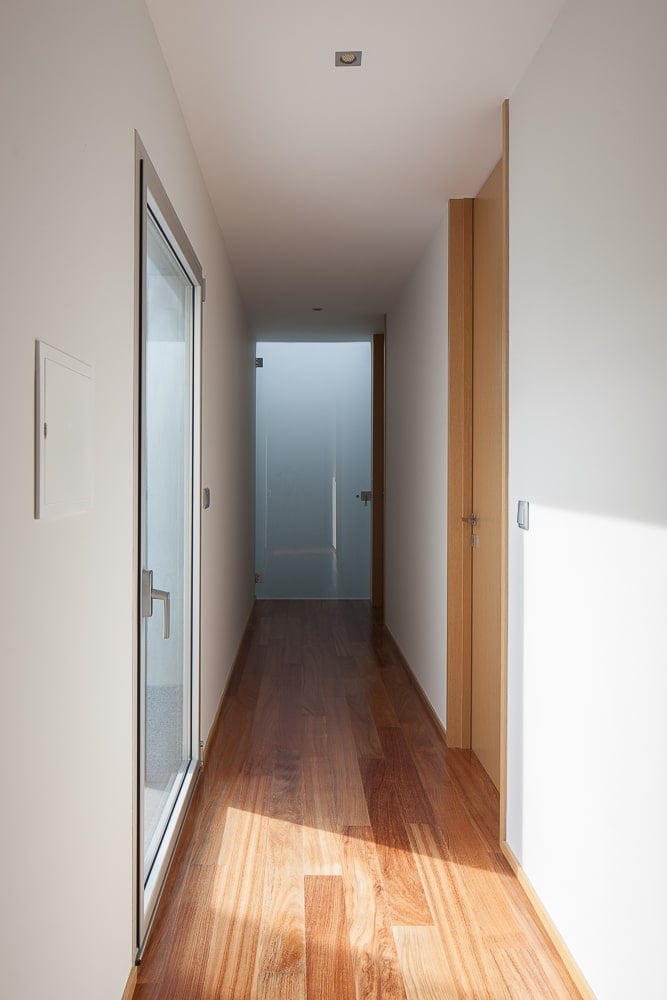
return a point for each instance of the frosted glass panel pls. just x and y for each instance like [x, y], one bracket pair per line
[167, 530]
[313, 457]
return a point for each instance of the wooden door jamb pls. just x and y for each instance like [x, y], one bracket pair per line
[459, 473]
[378, 468]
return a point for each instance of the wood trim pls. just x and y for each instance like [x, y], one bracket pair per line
[130, 986]
[459, 472]
[505, 470]
[547, 923]
[424, 698]
[237, 664]
[378, 470]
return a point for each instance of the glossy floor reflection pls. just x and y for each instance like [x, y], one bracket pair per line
[300, 574]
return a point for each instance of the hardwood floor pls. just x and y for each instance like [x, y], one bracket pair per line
[335, 847]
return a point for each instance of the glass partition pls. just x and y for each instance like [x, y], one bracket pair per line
[313, 537]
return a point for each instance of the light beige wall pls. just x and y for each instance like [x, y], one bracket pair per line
[76, 79]
[587, 741]
[416, 491]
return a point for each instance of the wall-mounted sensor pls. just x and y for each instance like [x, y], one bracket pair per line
[522, 514]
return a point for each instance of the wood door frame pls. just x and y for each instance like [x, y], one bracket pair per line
[378, 467]
[504, 503]
[459, 472]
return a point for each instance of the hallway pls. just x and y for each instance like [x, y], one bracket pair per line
[335, 848]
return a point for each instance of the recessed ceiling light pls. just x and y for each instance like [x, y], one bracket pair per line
[348, 57]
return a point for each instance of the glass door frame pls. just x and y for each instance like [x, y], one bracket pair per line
[151, 197]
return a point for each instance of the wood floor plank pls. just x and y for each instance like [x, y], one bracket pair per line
[313, 700]
[219, 786]
[379, 702]
[281, 957]
[476, 790]
[330, 671]
[529, 936]
[364, 730]
[405, 892]
[455, 911]
[290, 706]
[157, 957]
[402, 772]
[250, 679]
[341, 642]
[424, 966]
[465, 843]
[185, 978]
[349, 797]
[366, 659]
[329, 972]
[263, 631]
[287, 787]
[408, 704]
[335, 846]
[263, 737]
[321, 841]
[315, 736]
[147, 991]
[238, 896]
[525, 976]
[374, 958]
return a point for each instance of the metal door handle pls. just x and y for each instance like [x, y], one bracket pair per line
[150, 594]
[471, 519]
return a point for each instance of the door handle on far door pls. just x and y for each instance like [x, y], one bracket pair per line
[472, 519]
[150, 594]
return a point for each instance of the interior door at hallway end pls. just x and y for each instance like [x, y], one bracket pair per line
[487, 471]
[313, 471]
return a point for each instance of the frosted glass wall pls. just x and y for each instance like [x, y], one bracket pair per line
[313, 537]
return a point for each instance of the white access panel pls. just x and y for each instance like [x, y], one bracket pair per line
[63, 433]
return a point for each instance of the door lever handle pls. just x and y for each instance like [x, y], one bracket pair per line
[472, 519]
[150, 594]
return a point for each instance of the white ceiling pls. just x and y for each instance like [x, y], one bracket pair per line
[329, 182]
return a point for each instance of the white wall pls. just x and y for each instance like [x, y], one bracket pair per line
[77, 78]
[587, 809]
[416, 474]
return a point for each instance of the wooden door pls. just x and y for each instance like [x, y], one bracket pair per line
[487, 472]
[477, 471]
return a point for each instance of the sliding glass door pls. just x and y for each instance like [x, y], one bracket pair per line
[168, 712]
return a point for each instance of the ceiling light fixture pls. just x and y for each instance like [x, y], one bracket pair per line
[348, 57]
